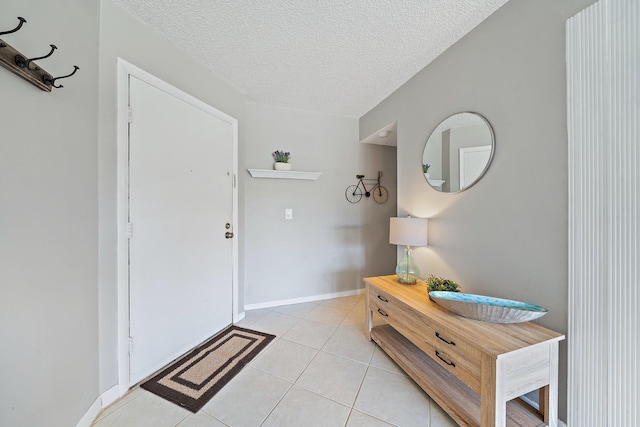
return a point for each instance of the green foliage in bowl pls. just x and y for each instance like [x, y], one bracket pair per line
[441, 284]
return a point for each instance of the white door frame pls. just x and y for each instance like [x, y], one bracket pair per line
[467, 150]
[124, 70]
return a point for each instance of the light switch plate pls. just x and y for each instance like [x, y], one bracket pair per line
[288, 213]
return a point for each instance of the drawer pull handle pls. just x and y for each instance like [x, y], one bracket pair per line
[381, 298]
[383, 313]
[448, 342]
[448, 363]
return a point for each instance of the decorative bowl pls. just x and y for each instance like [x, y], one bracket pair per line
[487, 309]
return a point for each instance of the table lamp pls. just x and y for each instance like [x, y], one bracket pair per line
[408, 232]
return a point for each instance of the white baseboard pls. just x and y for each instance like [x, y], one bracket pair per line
[531, 402]
[104, 400]
[110, 396]
[240, 316]
[303, 299]
[535, 404]
[89, 416]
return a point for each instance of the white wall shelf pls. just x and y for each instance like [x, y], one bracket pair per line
[274, 174]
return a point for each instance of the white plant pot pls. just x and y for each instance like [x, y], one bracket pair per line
[427, 175]
[280, 166]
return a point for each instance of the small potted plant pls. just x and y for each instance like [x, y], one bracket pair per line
[441, 284]
[425, 170]
[282, 160]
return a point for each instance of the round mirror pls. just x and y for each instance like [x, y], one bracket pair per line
[458, 152]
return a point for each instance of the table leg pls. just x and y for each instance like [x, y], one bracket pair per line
[368, 314]
[548, 396]
[493, 406]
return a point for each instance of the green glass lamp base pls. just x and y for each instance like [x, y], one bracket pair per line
[407, 271]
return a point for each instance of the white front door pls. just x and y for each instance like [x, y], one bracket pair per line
[180, 202]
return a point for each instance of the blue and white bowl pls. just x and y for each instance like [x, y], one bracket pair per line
[487, 309]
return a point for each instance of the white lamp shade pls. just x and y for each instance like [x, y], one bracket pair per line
[408, 231]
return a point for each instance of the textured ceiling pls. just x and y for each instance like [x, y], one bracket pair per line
[338, 57]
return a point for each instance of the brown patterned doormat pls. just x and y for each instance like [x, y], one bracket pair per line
[198, 376]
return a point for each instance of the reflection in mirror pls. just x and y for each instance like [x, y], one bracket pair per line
[458, 152]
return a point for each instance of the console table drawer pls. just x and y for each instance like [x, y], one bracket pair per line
[447, 349]
[466, 371]
[450, 356]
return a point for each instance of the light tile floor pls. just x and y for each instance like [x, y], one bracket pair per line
[319, 371]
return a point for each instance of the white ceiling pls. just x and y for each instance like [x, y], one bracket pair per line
[337, 57]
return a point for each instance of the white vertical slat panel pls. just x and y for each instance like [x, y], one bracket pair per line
[587, 188]
[624, 327]
[603, 44]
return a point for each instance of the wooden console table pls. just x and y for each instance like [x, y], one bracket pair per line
[474, 370]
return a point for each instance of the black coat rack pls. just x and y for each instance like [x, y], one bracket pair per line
[19, 64]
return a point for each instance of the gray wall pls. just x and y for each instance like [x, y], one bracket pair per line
[123, 36]
[507, 235]
[49, 219]
[327, 247]
[330, 244]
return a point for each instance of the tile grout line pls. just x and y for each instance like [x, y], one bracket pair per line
[307, 367]
[277, 403]
[99, 418]
[290, 385]
[182, 420]
[341, 324]
[358, 394]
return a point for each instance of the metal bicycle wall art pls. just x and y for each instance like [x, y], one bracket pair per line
[354, 193]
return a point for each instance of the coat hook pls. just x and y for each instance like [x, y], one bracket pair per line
[22, 21]
[23, 62]
[50, 80]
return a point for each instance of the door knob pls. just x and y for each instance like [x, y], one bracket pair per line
[228, 235]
